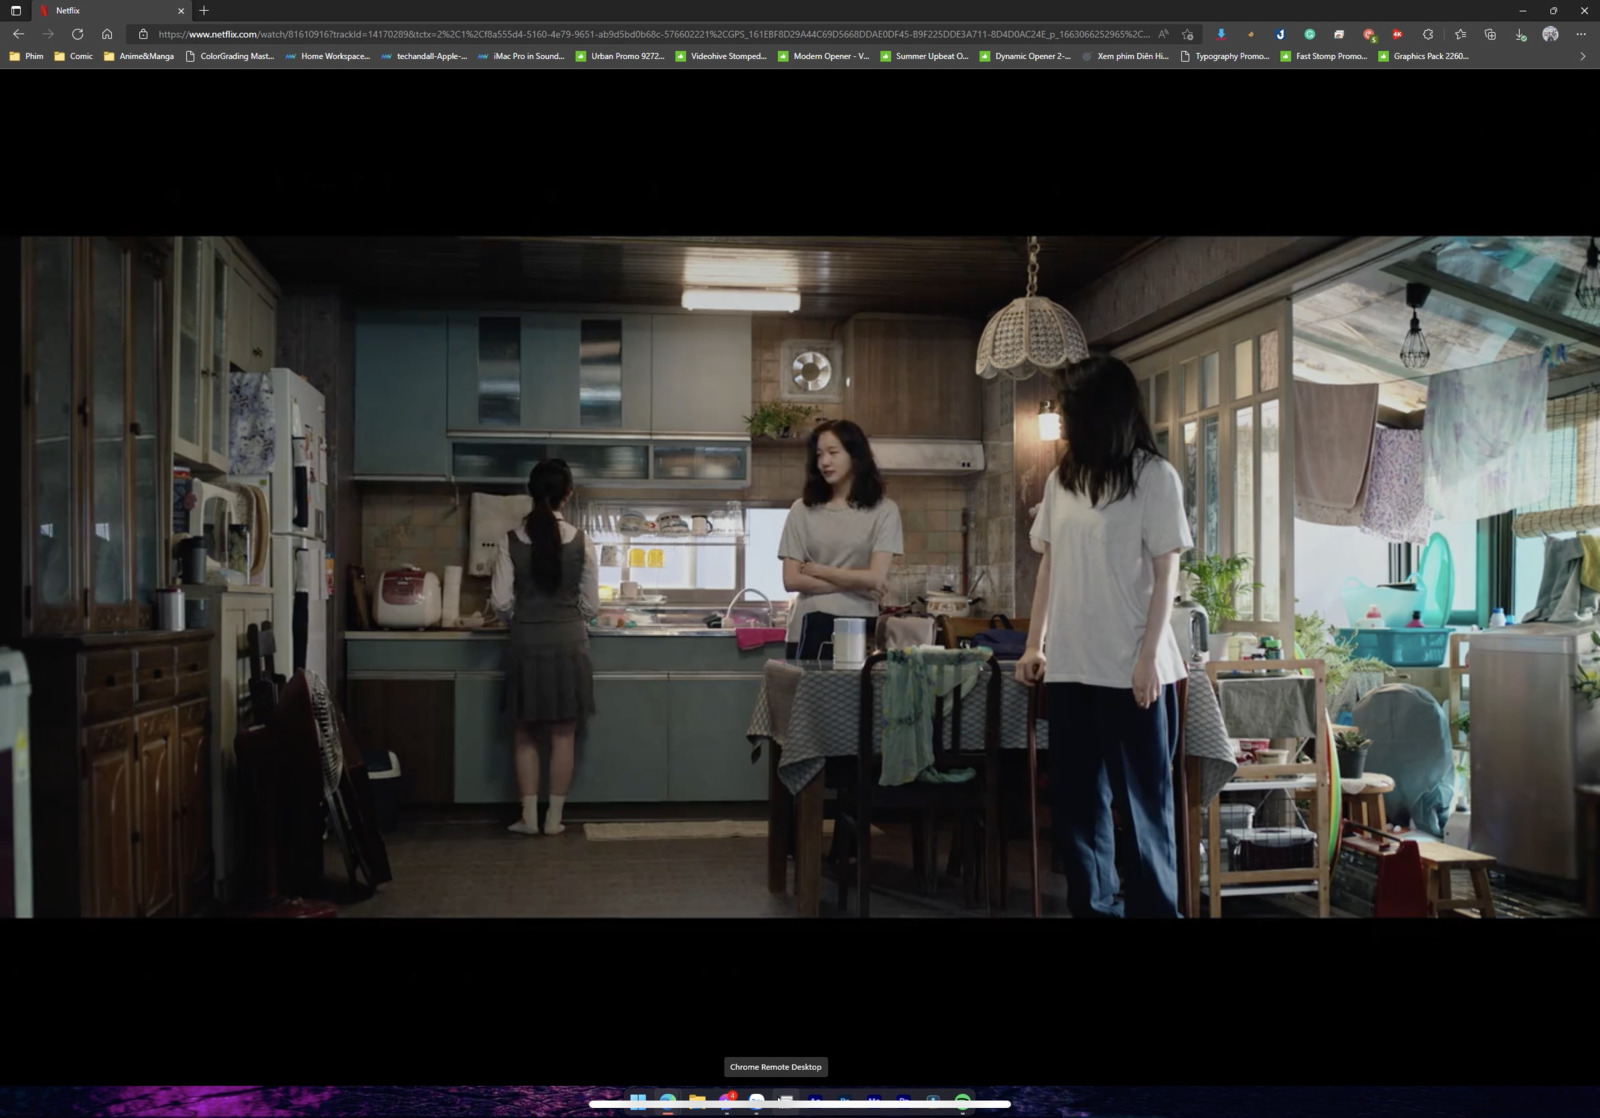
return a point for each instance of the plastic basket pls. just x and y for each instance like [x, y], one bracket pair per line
[1400, 648]
[1397, 606]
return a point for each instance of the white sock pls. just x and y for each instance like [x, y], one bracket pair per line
[552, 818]
[529, 823]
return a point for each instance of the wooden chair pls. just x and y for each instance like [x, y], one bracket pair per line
[954, 630]
[973, 804]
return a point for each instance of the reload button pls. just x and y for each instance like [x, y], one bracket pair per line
[782, 1067]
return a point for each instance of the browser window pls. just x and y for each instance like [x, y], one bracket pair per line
[800, 35]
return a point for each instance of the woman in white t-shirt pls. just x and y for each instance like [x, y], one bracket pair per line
[1111, 529]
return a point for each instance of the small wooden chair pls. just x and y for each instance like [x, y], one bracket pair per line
[1366, 806]
[1440, 860]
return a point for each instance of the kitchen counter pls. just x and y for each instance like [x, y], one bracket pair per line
[669, 722]
[481, 634]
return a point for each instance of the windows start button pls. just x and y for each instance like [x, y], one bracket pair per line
[814, 1067]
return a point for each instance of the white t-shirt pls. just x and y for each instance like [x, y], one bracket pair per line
[1102, 576]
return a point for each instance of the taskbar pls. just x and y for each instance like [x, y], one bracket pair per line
[810, 1099]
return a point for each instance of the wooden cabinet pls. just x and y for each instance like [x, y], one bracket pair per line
[569, 373]
[700, 374]
[913, 377]
[214, 312]
[251, 319]
[400, 387]
[120, 774]
[94, 483]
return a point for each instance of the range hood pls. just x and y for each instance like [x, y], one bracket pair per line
[928, 456]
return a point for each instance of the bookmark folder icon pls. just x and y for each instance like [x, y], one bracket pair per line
[61, 56]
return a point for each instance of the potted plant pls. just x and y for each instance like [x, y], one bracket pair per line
[778, 420]
[1317, 640]
[1352, 746]
[1215, 582]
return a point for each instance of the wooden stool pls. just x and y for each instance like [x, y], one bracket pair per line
[1439, 860]
[1363, 799]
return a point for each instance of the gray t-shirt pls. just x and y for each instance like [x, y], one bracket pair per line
[835, 537]
[1102, 577]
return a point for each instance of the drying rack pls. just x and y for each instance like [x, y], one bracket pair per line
[1297, 779]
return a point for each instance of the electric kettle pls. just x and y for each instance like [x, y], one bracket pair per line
[1192, 626]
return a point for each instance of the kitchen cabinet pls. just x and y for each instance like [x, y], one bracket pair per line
[913, 377]
[94, 482]
[251, 344]
[418, 717]
[401, 390]
[623, 754]
[202, 274]
[710, 715]
[120, 774]
[577, 373]
[700, 374]
[482, 759]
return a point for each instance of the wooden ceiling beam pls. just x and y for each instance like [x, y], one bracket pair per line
[1554, 327]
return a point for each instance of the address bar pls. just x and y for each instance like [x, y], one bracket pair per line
[534, 34]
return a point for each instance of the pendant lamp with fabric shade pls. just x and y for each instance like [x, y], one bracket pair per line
[1031, 334]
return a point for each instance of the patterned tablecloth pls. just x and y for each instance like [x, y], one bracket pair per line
[825, 711]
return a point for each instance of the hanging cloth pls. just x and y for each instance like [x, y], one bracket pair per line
[1397, 503]
[916, 678]
[1335, 425]
[1483, 440]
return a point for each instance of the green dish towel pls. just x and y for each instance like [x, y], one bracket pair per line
[917, 677]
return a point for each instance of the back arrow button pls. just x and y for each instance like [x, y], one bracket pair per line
[17, 34]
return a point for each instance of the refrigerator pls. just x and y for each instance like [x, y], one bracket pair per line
[285, 452]
[1533, 741]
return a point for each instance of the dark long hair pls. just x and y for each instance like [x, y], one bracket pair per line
[866, 483]
[549, 483]
[1108, 434]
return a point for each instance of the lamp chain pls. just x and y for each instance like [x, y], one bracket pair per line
[1033, 266]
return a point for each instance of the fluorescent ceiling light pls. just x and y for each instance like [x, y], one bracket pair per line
[739, 299]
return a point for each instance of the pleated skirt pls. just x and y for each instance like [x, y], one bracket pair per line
[550, 677]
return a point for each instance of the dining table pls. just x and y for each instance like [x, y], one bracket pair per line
[809, 711]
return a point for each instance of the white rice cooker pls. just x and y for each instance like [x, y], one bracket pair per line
[408, 598]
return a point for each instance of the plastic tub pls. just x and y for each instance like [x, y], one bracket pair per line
[1397, 606]
[1401, 648]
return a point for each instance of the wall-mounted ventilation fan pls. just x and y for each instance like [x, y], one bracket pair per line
[811, 372]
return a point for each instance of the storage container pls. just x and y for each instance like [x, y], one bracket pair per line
[1397, 606]
[1400, 648]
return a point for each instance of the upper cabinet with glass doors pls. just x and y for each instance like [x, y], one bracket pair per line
[94, 482]
[224, 320]
[583, 374]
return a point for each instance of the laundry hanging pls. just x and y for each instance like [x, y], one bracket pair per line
[1335, 424]
[1483, 439]
[1397, 503]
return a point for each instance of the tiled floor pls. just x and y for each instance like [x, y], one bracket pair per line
[471, 866]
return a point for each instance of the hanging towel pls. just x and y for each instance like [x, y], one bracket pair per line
[1334, 429]
[1590, 576]
[916, 678]
[1397, 501]
[749, 638]
[1483, 440]
[1562, 595]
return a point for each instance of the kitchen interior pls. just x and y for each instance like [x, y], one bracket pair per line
[247, 457]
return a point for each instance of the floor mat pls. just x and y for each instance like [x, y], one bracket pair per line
[687, 829]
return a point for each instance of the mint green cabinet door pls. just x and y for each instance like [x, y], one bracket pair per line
[484, 769]
[700, 374]
[622, 755]
[710, 754]
[400, 376]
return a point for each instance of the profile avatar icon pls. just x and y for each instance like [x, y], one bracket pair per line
[1551, 34]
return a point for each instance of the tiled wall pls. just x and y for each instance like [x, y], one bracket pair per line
[423, 526]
